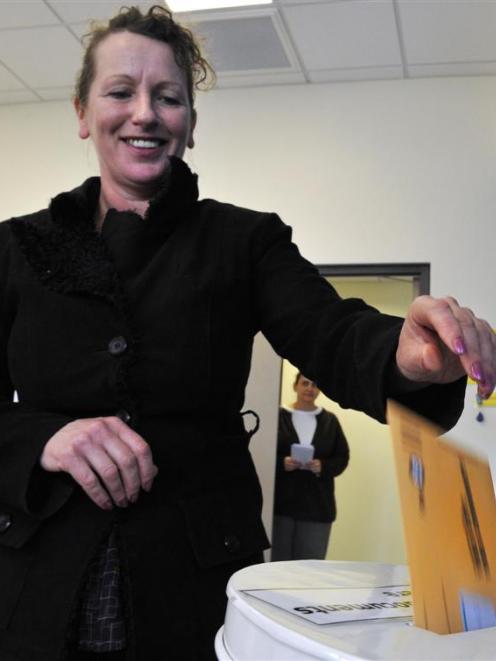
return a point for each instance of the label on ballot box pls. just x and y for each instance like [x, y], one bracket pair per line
[449, 519]
[331, 605]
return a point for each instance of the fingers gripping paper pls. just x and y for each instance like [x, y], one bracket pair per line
[449, 519]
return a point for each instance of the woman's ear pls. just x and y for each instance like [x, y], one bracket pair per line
[81, 115]
[191, 141]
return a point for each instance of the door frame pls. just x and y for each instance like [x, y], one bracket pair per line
[420, 271]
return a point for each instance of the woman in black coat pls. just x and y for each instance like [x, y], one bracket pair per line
[127, 313]
[304, 502]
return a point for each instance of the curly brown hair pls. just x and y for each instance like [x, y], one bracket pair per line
[156, 23]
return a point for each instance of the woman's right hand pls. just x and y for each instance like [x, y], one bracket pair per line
[105, 457]
[291, 464]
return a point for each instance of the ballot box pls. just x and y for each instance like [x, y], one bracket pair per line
[293, 611]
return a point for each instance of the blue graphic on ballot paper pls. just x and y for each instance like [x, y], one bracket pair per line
[477, 612]
[417, 476]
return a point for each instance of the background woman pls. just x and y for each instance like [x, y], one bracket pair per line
[127, 313]
[304, 503]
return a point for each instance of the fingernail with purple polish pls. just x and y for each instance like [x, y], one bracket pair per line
[477, 372]
[460, 346]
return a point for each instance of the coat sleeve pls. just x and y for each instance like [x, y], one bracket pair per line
[285, 436]
[345, 346]
[336, 463]
[28, 494]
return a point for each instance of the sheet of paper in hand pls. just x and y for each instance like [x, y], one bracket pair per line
[449, 519]
[331, 605]
[302, 453]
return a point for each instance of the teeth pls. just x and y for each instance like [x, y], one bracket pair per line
[143, 144]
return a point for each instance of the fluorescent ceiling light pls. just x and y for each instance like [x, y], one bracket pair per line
[195, 5]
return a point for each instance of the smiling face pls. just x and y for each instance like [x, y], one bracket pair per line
[138, 113]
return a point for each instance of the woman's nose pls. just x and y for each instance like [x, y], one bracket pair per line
[144, 112]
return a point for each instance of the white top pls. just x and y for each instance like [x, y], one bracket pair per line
[305, 423]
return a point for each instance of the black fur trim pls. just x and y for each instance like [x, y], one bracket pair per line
[68, 255]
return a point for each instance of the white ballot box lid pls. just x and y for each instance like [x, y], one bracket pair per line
[255, 630]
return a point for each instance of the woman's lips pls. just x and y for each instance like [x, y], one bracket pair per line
[145, 143]
[151, 147]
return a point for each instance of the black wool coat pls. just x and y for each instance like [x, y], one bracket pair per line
[302, 494]
[153, 320]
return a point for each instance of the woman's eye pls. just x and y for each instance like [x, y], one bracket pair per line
[168, 100]
[119, 94]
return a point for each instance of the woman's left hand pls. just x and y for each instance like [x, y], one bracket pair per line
[440, 341]
[315, 465]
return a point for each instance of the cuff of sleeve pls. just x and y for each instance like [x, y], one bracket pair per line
[396, 383]
[24, 486]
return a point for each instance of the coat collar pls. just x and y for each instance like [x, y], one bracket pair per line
[75, 210]
[67, 254]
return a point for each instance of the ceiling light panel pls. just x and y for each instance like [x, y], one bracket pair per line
[242, 44]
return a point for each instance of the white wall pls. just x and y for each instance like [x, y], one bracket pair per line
[365, 172]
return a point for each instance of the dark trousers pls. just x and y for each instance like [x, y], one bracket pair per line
[299, 540]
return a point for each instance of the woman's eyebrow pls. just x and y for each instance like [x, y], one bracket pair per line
[119, 76]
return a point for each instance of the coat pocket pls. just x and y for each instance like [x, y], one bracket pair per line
[224, 526]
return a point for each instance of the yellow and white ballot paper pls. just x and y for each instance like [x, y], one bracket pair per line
[448, 504]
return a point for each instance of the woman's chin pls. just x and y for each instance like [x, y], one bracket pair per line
[147, 177]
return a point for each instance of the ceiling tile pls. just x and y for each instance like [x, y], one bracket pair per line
[55, 93]
[452, 69]
[41, 57]
[440, 31]
[8, 81]
[316, 2]
[349, 75]
[256, 79]
[243, 44]
[355, 33]
[79, 29]
[17, 96]
[25, 14]
[288, 3]
[78, 11]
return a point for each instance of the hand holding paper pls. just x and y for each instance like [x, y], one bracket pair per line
[440, 341]
[303, 454]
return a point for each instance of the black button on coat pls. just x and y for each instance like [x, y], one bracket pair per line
[5, 522]
[117, 346]
[187, 287]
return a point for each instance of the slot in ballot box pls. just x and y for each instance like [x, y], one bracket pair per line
[261, 628]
